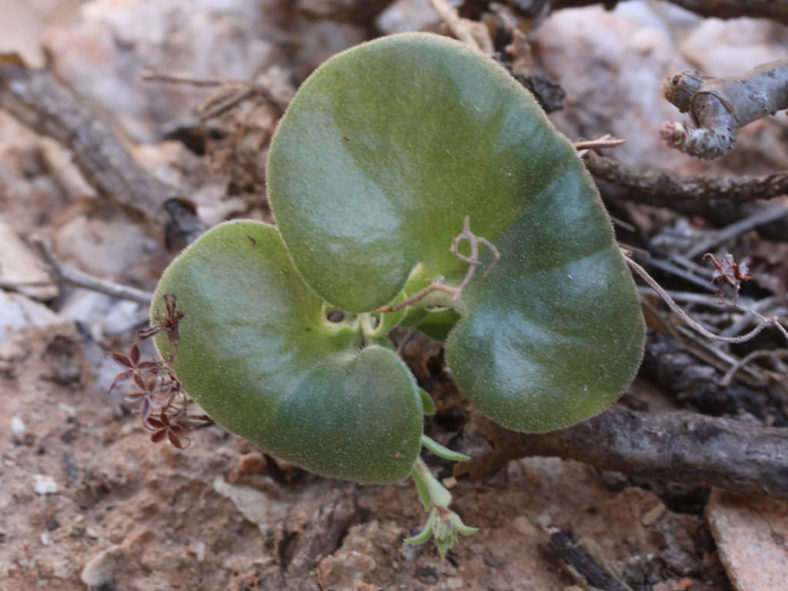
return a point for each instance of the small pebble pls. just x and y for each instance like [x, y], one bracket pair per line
[69, 410]
[653, 515]
[18, 428]
[198, 549]
[525, 527]
[100, 570]
[251, 463]
[44, 485]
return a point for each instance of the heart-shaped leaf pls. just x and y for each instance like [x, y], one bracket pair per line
[257, 353]
[380, 157]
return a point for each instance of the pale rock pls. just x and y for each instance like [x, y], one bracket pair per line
[124, 315]
[24, 23]
[610, 67]
[525, 527]
[109, 247]
[750, 532]
[18, 428]
[18, 264]
[404, 16]
[113, 42]
[344, 569]
[101, 569]
[44, 485]
[253, 504]
[730, 48]
[18, 312]
[198, 549]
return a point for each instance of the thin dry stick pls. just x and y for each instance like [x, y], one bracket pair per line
[728, 377]
[38, 100]
[697, 298]
[774, 9]
[760, 306]
[760, 218]
[473, 260]
[764, 321]
[432, 287]
[62, 273]
[179, 78]
[457, 25]
[711, 353]
[606, 141]
[245, 90]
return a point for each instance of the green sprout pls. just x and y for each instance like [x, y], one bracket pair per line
[414, 183]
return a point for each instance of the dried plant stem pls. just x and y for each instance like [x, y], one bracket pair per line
[744, 361]
[42, 103]
[763, 323]
[764, 216]
[774, 9]
[657, 187]
[431, 288]
[238, 91]
[719, 106]
[467, 31]
[180, 78]
[62, 273]
[606, 141]
[472, 260]
[675, 446]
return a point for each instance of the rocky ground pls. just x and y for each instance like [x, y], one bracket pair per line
[87, 502]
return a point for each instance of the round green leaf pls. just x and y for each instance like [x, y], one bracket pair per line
[384, 151]
[257, 354]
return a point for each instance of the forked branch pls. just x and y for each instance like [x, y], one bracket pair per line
[719, 106]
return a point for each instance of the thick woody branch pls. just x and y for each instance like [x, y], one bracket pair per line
[720, 106]
[657, 187]
[679, 446]
[773, 9]
[38, 100]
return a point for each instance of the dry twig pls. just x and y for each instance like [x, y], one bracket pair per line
[472, 260]
[62, 273]
[729, 232]
[38, 100]
[774, 9]
[230, 92]
[763, 323]
[677, 446]
[606, 141]
[657, 187]
[719, 106]
[743, 362]
[470, 32]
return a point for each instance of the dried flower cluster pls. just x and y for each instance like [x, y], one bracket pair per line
[163, 405]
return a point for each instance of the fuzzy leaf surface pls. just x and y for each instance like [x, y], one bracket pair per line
[257, 354]
[384, 151]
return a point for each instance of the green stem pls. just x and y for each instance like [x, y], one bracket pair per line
[442, 451]
[438, 494]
